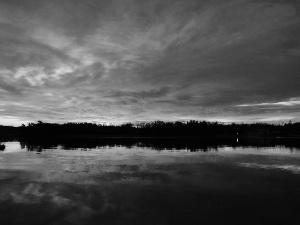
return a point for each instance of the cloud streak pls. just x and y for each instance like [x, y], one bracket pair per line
[291, 102]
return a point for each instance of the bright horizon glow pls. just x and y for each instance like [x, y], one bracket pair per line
[272, 120]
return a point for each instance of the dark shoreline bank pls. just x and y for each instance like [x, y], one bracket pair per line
[191, 144]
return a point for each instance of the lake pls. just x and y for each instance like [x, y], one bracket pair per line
[116, 181]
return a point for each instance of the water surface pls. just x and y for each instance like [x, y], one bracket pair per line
[141, 184]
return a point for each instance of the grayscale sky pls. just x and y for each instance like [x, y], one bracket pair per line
[124, 61]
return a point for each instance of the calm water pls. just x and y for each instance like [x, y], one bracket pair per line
[121, 184]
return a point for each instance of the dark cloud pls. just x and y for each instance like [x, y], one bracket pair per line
[116, 61]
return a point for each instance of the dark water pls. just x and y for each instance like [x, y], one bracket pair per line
[144, 182]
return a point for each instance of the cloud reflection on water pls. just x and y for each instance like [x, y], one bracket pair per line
[142, 186]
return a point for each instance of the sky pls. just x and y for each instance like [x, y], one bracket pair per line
[116, 61]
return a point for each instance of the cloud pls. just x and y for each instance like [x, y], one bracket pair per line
[291, 102]
[130, 60]
[142, 94]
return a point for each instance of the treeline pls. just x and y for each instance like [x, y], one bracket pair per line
[9, 132]
[161, 129]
